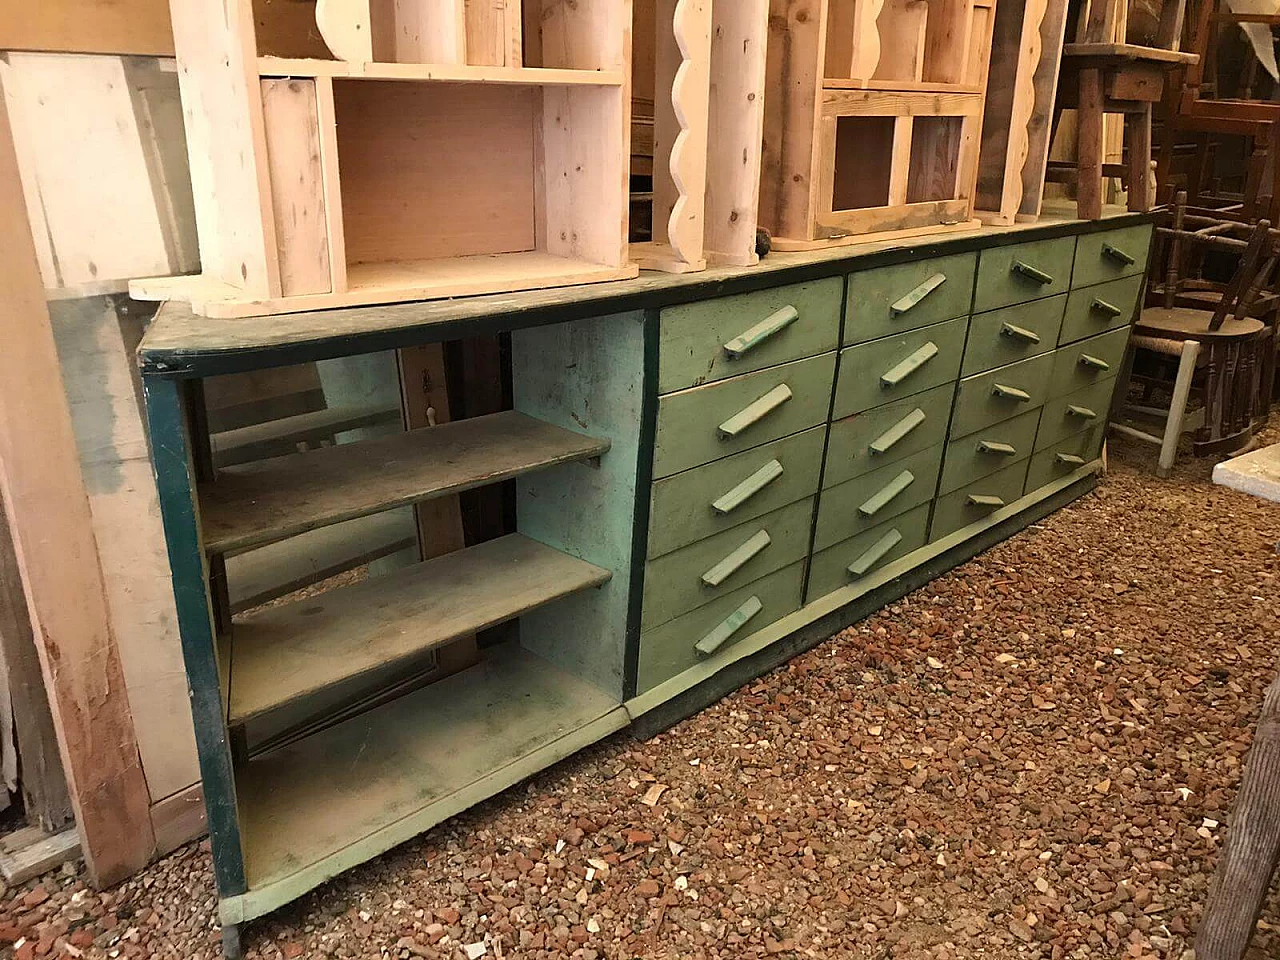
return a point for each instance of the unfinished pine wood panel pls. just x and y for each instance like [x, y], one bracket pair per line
[1040, 125]
[292, 130]
[577, 35]
[129, 27]
[901, 28]
[259, 503]
[285, 653]
[419, 31]
[288, 28]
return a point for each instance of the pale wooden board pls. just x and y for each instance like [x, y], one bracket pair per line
[20, 862]
[399, 761]
[291, 118]
[262, 574]
[98, 371]
[451, 73]
[48, 512]
[137, 27]
[179, 819]
[285, 653]
[274, 438]
[258, 503]
[422, 31]
[1040, 126]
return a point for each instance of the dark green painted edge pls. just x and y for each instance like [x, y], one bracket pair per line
[640, 522]
[581, 304]
[173, 471]
[743, 671]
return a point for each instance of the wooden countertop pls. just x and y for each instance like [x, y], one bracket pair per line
[180, 343]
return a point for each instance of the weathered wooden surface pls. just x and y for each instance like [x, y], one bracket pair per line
[285, 653]
[57, 553]
[1252, 849]
[258, 503]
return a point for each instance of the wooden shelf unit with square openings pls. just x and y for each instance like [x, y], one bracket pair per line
[351, 152]
[873, 118]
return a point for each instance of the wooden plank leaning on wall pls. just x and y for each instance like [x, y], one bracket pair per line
[48, 513]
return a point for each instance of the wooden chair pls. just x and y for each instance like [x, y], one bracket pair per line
[1219, 337]
[1101, 73]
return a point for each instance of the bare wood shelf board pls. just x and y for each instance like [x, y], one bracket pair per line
[401, 759]
[285, 653]
[253, 504]
[275, 437]
[443, 73]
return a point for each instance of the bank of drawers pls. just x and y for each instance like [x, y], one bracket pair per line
[795, 455]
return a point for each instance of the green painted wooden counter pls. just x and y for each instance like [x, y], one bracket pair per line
[713, 471]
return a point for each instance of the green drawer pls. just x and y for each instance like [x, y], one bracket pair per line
[715, 420]
[1023, 271]
[880, 371]
[896, 430]
[1000, 394]
[1095, 310]
[888, 300]
[699, 341]
[857, 505]
[1088, 361]
[716, 496]
[673, 647]
[853, 559]
[1062, 458]
[1013, 333]
[702, 571]
[990, 449]
[1115, 253]
[978, 500]
[1075, 412]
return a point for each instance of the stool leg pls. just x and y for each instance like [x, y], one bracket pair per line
[1178, 407]
[1089, 146]
[1137, 135]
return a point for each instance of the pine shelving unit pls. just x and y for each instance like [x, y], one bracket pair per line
[375, 151]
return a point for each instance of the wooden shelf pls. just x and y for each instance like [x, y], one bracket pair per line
[274, 438]
[258, 503]
[407, 766]
[1129, 51]
[903, 86]
[440, 73]
[285, 653]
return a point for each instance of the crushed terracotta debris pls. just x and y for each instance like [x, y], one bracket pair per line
[1030, 757]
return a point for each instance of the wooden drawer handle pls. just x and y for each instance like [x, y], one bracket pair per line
[900, 371]
[731, 564]
[885, 442]
[1010, 393]
[1101, 306]
[874, 554]
[993, 446]
[901, 306]
[1019, 333]
[754, 412]
[1070, 458]
[773, 324]
[727, 627]
[1030, 272]
[1074, 410]
[981, 500]
[1118, 255]
[748, 488]
[886, 494]
[1096, 363]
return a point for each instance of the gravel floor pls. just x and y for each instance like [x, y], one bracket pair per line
[1034, 756]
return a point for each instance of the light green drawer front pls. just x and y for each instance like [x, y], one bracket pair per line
[978, 500]
[1095, 310]
[990, 449]
[871, 439]
[673, 647]
[1013, 333]
[1000, 394]
[1023, 271]
[706, 500]
[1075, 412]
[857, 505]
[1115, 253]
[694, 335]
[702, 571]
[854, 559]
[889, 300]
[884, 370]
[715, 420]
[1064, 457]
[1088, 361]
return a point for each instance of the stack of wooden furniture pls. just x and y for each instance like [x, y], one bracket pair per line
[423, 149]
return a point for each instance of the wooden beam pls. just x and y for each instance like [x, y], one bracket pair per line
[132, 27]
[48, 513]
